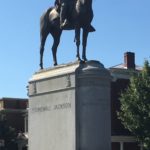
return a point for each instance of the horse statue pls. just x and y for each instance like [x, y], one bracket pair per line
[80, 17]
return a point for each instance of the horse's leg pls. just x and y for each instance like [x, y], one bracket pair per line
[84, 43]
[56, 36]
[77, 40]
[43, 37]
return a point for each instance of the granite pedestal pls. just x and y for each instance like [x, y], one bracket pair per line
[69, 108]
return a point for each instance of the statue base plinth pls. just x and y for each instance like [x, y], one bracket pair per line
[69, 108]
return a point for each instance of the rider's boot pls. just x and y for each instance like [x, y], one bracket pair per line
[63, 20]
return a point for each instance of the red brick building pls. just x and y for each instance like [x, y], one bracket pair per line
[122, 139]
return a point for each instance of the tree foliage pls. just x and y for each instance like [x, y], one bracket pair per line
[7, 133]
[135, 106]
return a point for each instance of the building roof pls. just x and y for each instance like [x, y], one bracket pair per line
[121, 72]
[15, 99]
[13, 103]
[122, 66]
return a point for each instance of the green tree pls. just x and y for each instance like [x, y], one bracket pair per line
[135, 106]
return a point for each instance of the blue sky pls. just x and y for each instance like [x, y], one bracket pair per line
[121, 25]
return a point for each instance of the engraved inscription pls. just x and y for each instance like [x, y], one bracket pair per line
[50, 108]
[62, 106]
[41, 109]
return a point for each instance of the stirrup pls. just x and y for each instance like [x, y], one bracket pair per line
[64, 24]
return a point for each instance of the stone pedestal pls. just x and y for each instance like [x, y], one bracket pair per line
[69, 108]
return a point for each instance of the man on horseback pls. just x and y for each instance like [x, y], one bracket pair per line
[63, 6]
[80, 15]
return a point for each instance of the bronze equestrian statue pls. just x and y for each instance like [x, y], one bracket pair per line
[78, 14]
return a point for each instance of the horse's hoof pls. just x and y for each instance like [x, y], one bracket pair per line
[82, 62]
[84, 59]
[78, 59]
[41, 66]
[55, 64]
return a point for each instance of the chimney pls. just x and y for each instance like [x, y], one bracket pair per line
[129, 60]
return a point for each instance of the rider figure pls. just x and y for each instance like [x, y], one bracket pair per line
[64, 7]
